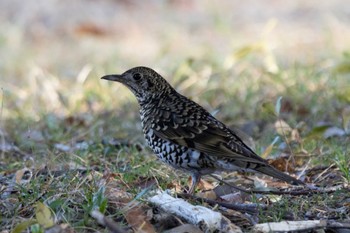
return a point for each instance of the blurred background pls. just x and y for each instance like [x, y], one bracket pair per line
[231, 56]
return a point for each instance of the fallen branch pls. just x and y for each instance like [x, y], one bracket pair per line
[204, 218]
[292, 226]
[288, 226]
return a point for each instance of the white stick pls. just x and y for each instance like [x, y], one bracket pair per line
[204, 218]
[285, 226]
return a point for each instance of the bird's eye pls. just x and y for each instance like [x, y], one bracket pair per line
[136, 76]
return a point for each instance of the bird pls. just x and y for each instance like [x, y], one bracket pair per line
[186, 136]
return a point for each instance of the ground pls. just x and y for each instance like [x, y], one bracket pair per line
[72, 143]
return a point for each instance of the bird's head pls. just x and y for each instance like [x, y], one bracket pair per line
[144, 82]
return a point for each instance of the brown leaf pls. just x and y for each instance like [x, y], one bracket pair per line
[282, 164]
[240, 219]
[90, 29]
[137, 219]
[115, 192]
[75, 121]
[174, 184]
[205, 185]
[210, 194]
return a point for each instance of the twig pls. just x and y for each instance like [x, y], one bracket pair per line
[319, 168]
[248, 208]
[323, 172]
[308, 191]
[231, 185]
[304, 169]
[107, 222]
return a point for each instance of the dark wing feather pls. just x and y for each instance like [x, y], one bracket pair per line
[206, 135]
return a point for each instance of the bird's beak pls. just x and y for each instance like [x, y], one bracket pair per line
[114, 77]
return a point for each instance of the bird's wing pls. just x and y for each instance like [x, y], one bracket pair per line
[205, 134]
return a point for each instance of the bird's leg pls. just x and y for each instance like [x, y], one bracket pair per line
[196, 177]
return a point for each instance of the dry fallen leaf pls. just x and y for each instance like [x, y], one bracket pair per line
[116, 194]
[282, 164]
[137, 219]
[210, 194]
[90, 29]
[205, 185]
[282, 128]
[233, 197]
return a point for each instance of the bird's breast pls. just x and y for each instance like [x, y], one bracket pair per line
[176, 155]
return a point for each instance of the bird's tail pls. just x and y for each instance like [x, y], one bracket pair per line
[271, 171]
